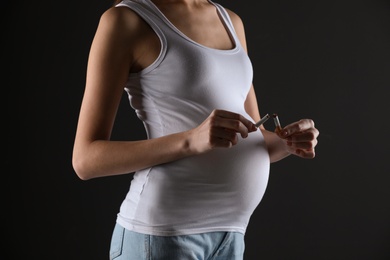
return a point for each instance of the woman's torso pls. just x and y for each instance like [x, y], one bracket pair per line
[216, 191]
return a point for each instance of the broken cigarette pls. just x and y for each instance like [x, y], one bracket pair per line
[262, 121]
[278, 127]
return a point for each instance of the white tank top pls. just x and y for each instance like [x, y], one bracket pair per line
[215, 191]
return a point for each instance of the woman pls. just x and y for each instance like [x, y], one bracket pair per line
[204, 167]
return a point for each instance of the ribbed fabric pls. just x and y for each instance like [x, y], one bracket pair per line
[216, 191]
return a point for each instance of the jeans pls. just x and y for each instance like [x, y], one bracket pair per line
[129, 245]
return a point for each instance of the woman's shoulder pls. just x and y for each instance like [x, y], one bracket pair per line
[121, 19]
[236, 19]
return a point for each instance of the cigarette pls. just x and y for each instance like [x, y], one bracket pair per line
[278, 127]
[262, 121]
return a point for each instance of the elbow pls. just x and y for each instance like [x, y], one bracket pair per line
[80, 166]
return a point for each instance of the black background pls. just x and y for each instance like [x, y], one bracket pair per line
[325, 60]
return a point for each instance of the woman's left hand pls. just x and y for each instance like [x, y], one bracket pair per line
[301, 138]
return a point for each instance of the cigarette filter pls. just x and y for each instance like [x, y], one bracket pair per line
[265, 118]
[278, 127]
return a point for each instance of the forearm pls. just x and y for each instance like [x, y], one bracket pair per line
[105, 158]
[277, 147]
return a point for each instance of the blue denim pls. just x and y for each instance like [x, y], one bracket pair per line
[129, 245]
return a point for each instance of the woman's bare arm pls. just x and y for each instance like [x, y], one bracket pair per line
[117, 48]
[299, 138]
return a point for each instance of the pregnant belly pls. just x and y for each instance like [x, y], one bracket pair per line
[208, 186]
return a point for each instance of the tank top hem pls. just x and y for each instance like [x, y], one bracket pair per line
[157, 232]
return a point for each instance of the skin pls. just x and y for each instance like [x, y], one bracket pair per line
[124, 43]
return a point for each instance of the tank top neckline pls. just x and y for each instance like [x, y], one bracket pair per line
[221, 17]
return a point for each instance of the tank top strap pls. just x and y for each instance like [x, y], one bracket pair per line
[227, 21]
[153, 11]
[146, 12]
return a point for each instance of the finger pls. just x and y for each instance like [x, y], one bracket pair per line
[221, 134]
[250, 126]
[234, 124]
[307, 154]
[219, 142]
[309, 145]
[297, 127]
[306, 136]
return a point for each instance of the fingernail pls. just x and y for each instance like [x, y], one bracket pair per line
[284, 133]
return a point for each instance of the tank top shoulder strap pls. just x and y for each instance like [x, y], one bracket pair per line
[226, 18]
[150, 17]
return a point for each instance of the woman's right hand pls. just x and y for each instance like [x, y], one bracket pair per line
[219, 130]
